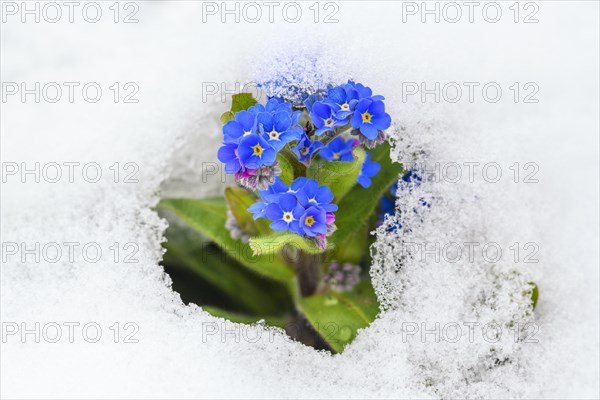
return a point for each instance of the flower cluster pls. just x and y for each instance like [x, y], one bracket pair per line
[335, 121]
[252, 139]
[303, 208]
[354, 104]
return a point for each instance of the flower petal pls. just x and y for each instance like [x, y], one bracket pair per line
[369, 131]
[288, 202]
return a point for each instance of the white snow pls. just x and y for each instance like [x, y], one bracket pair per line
[172, 135]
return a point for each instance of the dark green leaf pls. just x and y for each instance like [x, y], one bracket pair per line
[192, 252]
[208, 217]
[337, 316]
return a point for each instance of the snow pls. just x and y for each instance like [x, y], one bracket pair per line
[171, 134]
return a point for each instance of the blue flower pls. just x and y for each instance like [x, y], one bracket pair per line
[364, 92]
[269, 195]
[369, 169]
[313, 221]
[228, 155]
[338, 150]
[258, 209]
[298, 184]
[274, 191]
[274, 104]
[344, 98]
[254, 152]
[306, 148]
[311, 100]
[370, 118]
[322, 115]
[243, 124]
[313, 195]
[387, 206]
[285, 214]
[277, 129]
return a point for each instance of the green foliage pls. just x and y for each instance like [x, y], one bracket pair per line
[535, 293]
[287, 170]
[340, 176]
[239, 200]
[357, 206]
[242, 101]
[290, 163]
[338, 315]
[198, 255]
[226, 117]
[208, 217]
[274, 243]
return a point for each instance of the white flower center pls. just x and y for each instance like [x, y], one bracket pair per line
[274, 135]
[288, 217]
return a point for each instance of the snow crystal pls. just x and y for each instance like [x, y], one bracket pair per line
[166, 349]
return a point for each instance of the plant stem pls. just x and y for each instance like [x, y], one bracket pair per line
[307, 268]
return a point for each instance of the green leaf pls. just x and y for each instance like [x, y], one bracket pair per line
[340, 176]
[226, 117]
[287, 171]
[208, 217]
[192, 252]
[354, 249]
[242, 101]
[273, 244]
[297, 168]
[337, 316]
[535, 293]
[358, 205]
[243, 318]
[239, 200]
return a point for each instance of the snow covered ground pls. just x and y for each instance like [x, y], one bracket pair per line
[171, 61]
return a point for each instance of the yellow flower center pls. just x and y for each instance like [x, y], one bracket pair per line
[366, 117]
[288, 217]
[257, 150]
[274, 134]
[345, 107]
[309, 221]
[312, 201]
[336, 155]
